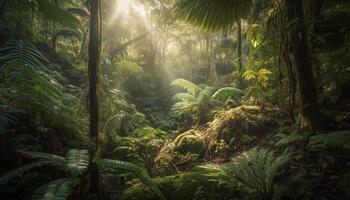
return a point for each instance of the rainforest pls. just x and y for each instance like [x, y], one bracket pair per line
[174, 99]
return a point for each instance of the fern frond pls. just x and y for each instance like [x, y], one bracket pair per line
[56, 190]
[42, 156]
[224, 93]
[333, 139]
[190, 87]
[77, 161]
[184, 96]
[291, 138]
[5, 178]
[115, 165]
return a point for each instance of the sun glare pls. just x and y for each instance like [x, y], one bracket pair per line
[122, 8]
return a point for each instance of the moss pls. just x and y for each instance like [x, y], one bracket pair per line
[186, 186]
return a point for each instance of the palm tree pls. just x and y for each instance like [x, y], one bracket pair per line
[215, 15]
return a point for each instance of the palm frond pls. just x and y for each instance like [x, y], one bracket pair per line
[190, 87]
[212, 15]
[58, 14]
[56, 190]
[116, 165]
[24, 52]
[77, 161]
[67, 33]
[81, 12]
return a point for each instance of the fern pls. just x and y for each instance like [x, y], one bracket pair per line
[291, 138]
[255, 171]
[225, 93]
[6, 117]
[190, 87]
[43, 156]
[77, 161]
[56, 190]
[5, 178]
[333, 139]
[115, 165]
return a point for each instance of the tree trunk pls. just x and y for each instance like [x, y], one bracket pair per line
[239, 45]
[93, 65]
[309, 109]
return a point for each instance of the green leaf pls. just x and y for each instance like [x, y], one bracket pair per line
[190, 87]
[58, 14]
[224, 93]
[5, 178]
[77, 161]
[56, 190]
[212, 15]
[115, 165]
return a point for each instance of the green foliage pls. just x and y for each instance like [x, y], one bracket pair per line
[19, 172]
[191, 88]
[195, 104]
[259, 80]
[117, 165]
[333, 139]
[148, 132]
[55, 13]
[184, 186]
[212, 15]
[67, 33]
[56, 190]
[292, 138]
[254, 172]
[23, 52]
[6, 117]
[225, 93]
[77, 161]
[31, 84]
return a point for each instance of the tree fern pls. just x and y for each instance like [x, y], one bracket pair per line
[117, 165]
[56, 190]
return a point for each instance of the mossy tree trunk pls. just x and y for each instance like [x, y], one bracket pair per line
[93, 65]
[307, 90]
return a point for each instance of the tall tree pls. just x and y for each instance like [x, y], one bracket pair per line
[93, 65]
[307, 90]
